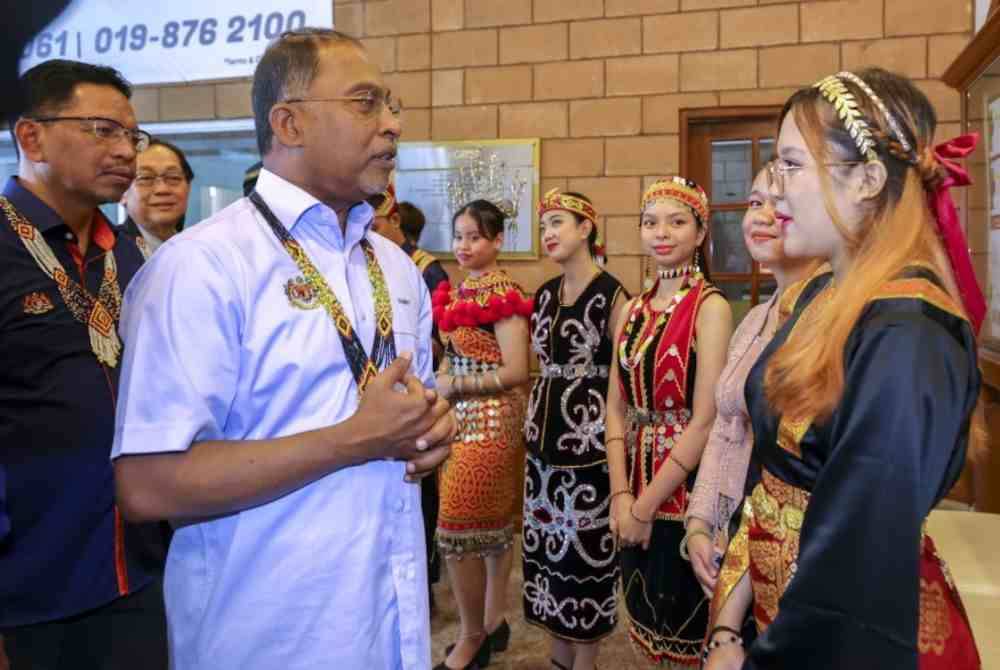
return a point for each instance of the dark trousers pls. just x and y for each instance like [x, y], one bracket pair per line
[429, 503]
[127, 634]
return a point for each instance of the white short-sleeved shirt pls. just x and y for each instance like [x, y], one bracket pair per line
[332, 575]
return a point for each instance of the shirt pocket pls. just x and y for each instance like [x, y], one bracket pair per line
[405, 324]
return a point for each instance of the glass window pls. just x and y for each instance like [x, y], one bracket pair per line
[732, 163]
[766, 149]
[729, 253]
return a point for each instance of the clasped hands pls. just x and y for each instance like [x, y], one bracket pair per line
[631, 523]
[406, 421]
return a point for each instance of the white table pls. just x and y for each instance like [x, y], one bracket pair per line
[969, 542]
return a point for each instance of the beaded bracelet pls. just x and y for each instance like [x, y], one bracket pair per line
[632, 513]
[683, 548]
[683, 467]
[612, 497]
[617, 438]
[734, 638]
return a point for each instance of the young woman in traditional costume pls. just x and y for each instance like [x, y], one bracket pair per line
[719, 490]
[669, 352]
[862, 404]
[485, 322]
[570, 566]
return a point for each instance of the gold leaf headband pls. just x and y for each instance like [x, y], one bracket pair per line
[846, 106]
[836, 93]
[681, 190]
[556, 200]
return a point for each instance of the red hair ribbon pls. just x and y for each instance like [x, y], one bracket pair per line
[950, 229]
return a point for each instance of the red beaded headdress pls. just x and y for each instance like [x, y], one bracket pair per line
[681, 190]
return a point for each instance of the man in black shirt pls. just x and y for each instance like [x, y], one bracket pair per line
[77, 589]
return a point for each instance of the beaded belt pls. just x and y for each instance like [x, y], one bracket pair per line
[469, 366]
[669, 417]
[555, 370]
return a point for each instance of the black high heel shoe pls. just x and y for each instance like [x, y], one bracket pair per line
[479, 661]
[498, 639]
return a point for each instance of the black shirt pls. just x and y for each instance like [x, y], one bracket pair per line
[67, 550]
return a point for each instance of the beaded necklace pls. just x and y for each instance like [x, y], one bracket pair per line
[651, 326]
[364, 366]
[100, 313]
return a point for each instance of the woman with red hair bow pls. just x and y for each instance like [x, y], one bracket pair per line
[863, 404]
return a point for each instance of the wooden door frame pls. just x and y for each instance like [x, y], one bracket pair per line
[690, 117]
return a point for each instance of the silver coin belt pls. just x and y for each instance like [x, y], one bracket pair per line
[589, 370]
[657, 439]
[459, 366]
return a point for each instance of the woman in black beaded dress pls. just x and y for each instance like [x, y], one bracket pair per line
[570, 571]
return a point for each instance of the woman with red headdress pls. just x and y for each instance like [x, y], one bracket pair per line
[863, 403]
[669, 352]
[570, 566]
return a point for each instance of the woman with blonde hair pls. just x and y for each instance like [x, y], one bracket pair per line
[862, 405]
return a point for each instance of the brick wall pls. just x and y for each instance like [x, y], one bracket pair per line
[601, 81]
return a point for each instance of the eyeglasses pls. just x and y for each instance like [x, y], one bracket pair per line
[105, 130]
[367, 104]
[171, 179]
[779, 170]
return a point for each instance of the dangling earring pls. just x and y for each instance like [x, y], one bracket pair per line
[697, 261]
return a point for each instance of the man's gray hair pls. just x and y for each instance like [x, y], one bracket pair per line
[286, 70]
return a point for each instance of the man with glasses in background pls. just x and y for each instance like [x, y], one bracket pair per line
[77, 590]
[158, 198]
[275, 392]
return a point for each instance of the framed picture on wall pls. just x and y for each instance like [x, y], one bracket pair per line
[440, 177]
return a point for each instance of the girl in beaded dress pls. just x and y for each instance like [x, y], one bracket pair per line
[569, 561]
[864, 402]
[718, 492]
[485, 323]
[669, 352]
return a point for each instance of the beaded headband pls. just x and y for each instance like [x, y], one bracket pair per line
[681, 190]
[845, 104]
[388, 207]
[556, 200]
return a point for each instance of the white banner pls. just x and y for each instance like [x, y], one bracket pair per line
[175, 41]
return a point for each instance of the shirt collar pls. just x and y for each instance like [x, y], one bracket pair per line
[43, 217]
[152, 241]
[290, 203]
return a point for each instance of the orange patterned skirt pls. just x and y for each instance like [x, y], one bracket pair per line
[479, 482]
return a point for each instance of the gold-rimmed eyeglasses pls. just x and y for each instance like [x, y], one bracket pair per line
[366, 104]
[106, 130]
[778, 170]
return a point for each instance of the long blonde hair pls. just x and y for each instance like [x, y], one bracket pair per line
[805, 378]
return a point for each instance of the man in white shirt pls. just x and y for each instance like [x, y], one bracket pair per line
[252, 412]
